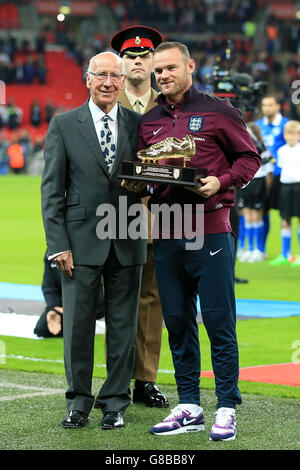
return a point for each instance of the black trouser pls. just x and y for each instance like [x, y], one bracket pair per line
[182, 275]
[121, 295]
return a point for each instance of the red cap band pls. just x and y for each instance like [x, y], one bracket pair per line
[137, 42]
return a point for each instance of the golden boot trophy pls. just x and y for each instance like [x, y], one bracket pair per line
[152, 168]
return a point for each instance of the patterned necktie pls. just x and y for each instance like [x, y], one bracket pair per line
[107, 144]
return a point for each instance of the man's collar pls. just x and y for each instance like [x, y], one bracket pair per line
[97, 113]
[276, 121]
[187, 97]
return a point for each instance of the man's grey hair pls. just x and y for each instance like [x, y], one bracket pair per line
[119, 60]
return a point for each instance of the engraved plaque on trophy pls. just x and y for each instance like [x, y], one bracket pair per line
[149, 169]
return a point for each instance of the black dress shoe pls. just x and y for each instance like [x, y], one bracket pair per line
[112, 420]
[149, 394]
[75, 419]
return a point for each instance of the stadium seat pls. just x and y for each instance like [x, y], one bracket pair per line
[9, 16]
[64, 86]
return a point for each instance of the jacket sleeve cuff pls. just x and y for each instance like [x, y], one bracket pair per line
[50, 257]
[225, 181]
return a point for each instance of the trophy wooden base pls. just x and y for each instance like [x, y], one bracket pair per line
[154, 173]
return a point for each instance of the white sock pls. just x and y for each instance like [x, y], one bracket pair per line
[192, 407]
[228, 409]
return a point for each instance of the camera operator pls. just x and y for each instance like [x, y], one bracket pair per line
[244, 94]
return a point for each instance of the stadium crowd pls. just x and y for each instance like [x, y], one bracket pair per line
[178, 15]
[21, 154]
[19, 63]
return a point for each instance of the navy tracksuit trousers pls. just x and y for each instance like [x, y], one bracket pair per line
[182, 275]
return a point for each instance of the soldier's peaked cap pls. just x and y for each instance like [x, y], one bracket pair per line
[136, 40]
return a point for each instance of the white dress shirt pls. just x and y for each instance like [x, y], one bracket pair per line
[97, 116]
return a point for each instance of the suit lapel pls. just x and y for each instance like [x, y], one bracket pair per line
[151, 103]
[124, 131]
[87, 130]
[123, 100]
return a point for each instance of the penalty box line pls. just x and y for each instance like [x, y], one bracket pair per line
[37, 391]
[60, 361]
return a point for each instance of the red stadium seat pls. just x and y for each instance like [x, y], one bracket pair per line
[9, 16]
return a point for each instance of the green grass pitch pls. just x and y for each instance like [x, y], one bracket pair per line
[267, 408]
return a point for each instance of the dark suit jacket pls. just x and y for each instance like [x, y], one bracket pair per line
[76, 181]
[124, 101]
[52, 288]
[51, 285]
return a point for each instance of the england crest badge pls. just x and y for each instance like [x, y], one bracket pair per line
[195, 123]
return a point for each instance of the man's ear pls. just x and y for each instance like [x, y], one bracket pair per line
[88, 80]
[122, 83]
[191, 66]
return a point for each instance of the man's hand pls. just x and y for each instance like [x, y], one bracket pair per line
[54, 320]
[58, 310]
[134, 186]
[64, 262]
[209, 186]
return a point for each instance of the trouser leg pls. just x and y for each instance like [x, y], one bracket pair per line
[80, 294]
[181, 274]
[150, 323]
[121, 287]
[178, 298]
[218, 309]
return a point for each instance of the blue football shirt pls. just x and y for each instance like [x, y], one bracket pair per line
[272, 134]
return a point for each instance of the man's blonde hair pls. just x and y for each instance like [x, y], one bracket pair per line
[292, 127]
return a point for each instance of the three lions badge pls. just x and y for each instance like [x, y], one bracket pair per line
[195, 123]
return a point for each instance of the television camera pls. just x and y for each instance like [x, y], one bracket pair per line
[240, 88]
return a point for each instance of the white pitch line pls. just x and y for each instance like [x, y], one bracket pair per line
[60, 361]
[26, 387]
[38, 391]
[38, 359]
[34, 359]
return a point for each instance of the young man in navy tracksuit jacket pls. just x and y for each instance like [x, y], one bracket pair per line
[225, 148]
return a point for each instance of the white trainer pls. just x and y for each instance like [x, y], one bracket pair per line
[224, 427]
[183, 418]
[246, 256]
[257, 256]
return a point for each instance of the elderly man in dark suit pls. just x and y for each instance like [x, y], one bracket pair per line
[83, 152]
